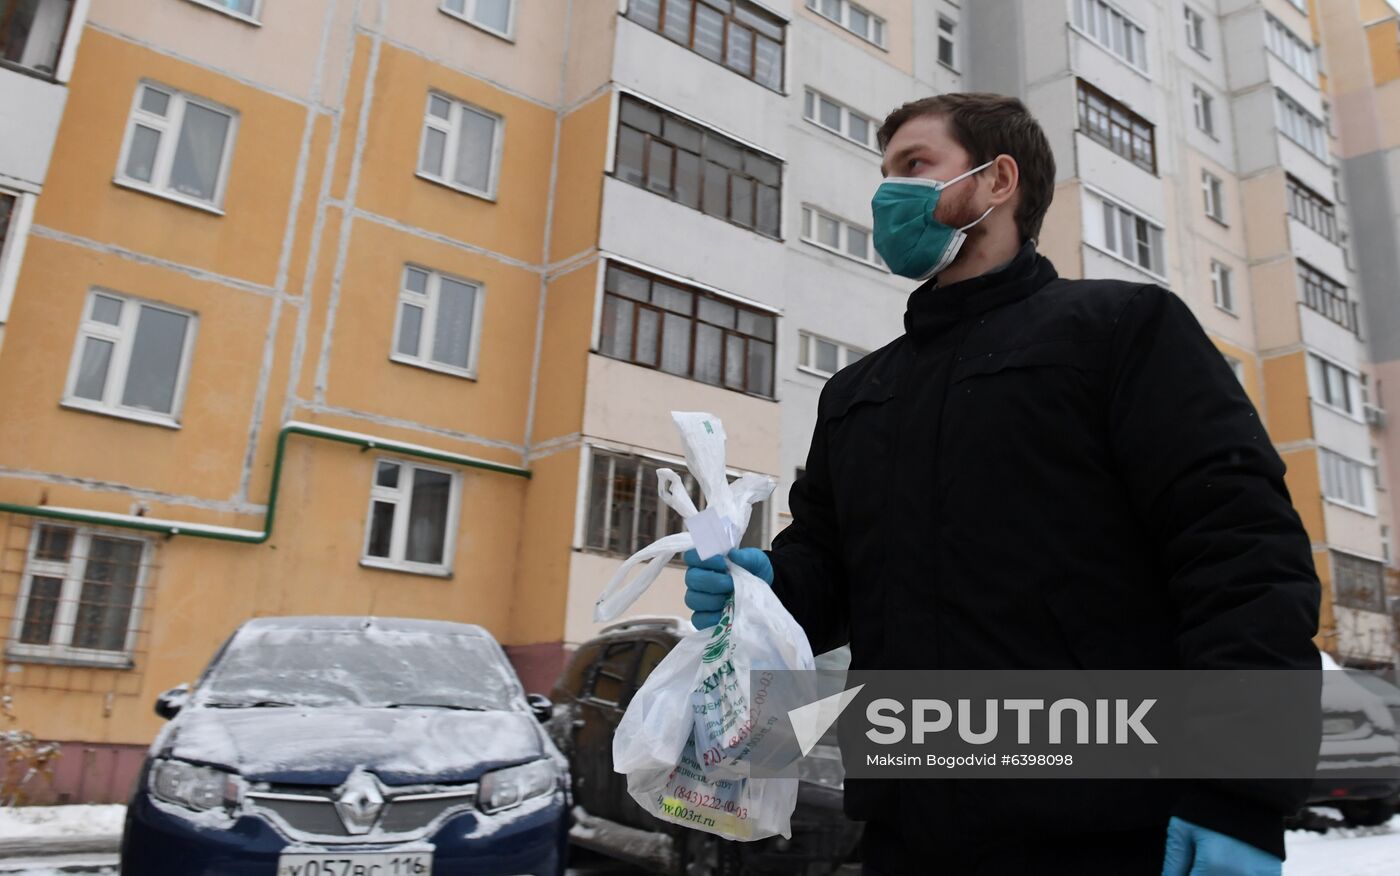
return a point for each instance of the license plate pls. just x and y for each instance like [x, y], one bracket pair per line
[414, 863]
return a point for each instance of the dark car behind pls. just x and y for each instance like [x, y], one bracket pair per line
[591, 696]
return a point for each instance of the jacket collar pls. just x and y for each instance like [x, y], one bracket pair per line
[932, 308]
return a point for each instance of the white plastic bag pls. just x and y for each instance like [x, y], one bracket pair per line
[685, 738]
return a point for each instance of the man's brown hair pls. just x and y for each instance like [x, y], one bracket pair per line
[988, 125]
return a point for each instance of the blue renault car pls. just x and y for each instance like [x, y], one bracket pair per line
[351, 746]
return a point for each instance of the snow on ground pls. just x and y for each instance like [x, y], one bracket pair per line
[44, 821]
[1360, 851]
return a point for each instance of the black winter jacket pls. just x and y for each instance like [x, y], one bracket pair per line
[1044, 474]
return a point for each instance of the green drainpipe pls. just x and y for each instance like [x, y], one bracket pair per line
[248, 536]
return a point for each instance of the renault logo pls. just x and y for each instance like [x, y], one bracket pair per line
[360, 802]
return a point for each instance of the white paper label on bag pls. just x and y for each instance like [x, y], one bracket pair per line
[714, 535]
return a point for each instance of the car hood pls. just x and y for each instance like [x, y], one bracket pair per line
[322, 746]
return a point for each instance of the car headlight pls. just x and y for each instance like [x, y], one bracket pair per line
[822, 766]
[502, 789]
[195, 787]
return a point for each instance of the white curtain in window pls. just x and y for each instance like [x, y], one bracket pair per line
[199, 152]
[474, 148]
[452, 336]
[427, 520]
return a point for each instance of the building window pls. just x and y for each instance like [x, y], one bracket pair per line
[1236, 367]
[131, 359]
[651, 321]
[1311, 209]
[81, 595]
[740, 35]
[1105, 25]
[1222, 286]
[439, 322]
[1128, 235]
[839, 236]
[1300, 5]
[244, 9]
[823, 356]
[947, 43]
[1328, 297]
[32, 33]
[461, 146]
[1195, 30]
[1346, 481]
[1116, 127]
[625, 513]
[694, 166]
[1335, 386]
[1213, 190]
[177, 146]
[1291, 49]
[1203, 106]
[412, 518]
[840, 119]
[495, 16]
[857, 19]
[1300, 126]
[1358, 582]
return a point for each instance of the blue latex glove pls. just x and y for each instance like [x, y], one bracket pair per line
[708, 584]
[1193, 850]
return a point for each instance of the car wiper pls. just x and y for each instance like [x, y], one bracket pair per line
[256, 704]
[454, 706]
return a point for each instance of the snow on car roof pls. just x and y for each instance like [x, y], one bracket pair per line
[365, 622]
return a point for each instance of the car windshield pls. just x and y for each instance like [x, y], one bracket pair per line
[368, 667]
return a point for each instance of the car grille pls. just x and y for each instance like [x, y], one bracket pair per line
[306, 813]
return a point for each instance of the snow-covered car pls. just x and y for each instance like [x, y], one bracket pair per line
[1358, 769]
[313, 746]
[592, 693]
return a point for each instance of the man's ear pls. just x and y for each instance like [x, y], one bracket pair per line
[1006, 179]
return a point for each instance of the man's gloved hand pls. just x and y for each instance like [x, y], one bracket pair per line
[708, 584]
[1193, 850]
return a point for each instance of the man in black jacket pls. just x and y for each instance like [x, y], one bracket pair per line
[1039, 473]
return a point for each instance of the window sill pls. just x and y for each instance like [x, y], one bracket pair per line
[147, 189]
[816, 124]
[475, 193]
[950, 68]
[406, 568]
[1200, 51]
[845, 255]
[490, 31]
[246, 19]
[1341, 412]
[1218, 220]
[807, 369]
[73, 404]
[433, 366]
[59, 656]
[31, 72]
[1107, 51]
[1134, 265]
[1350, 507]
[866, 40]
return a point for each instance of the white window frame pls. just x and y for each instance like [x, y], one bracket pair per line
[811, 111]
[1334, 465]
[1297, 54]
[401, 497]
[1203, 108]
[1318, 368]
[169, 127]
[1103, 245]
[1102, 13]
[1300, 5]
[1222, 286]
[254, 18]
[1195, 23]
[949, 36]
[810, 216]
[1213, 194]
[70, 596]
[12, 247]
[1236, 366]
[1300, 126]
[452, 130]
[123, 338]
[807, 358]
[428, 301]
[468, 12]
[880, 38]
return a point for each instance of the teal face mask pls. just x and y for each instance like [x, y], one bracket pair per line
[907, 237]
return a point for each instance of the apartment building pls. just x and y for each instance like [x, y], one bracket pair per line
[381, 306]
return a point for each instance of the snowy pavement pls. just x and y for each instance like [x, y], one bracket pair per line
[1372, 851]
